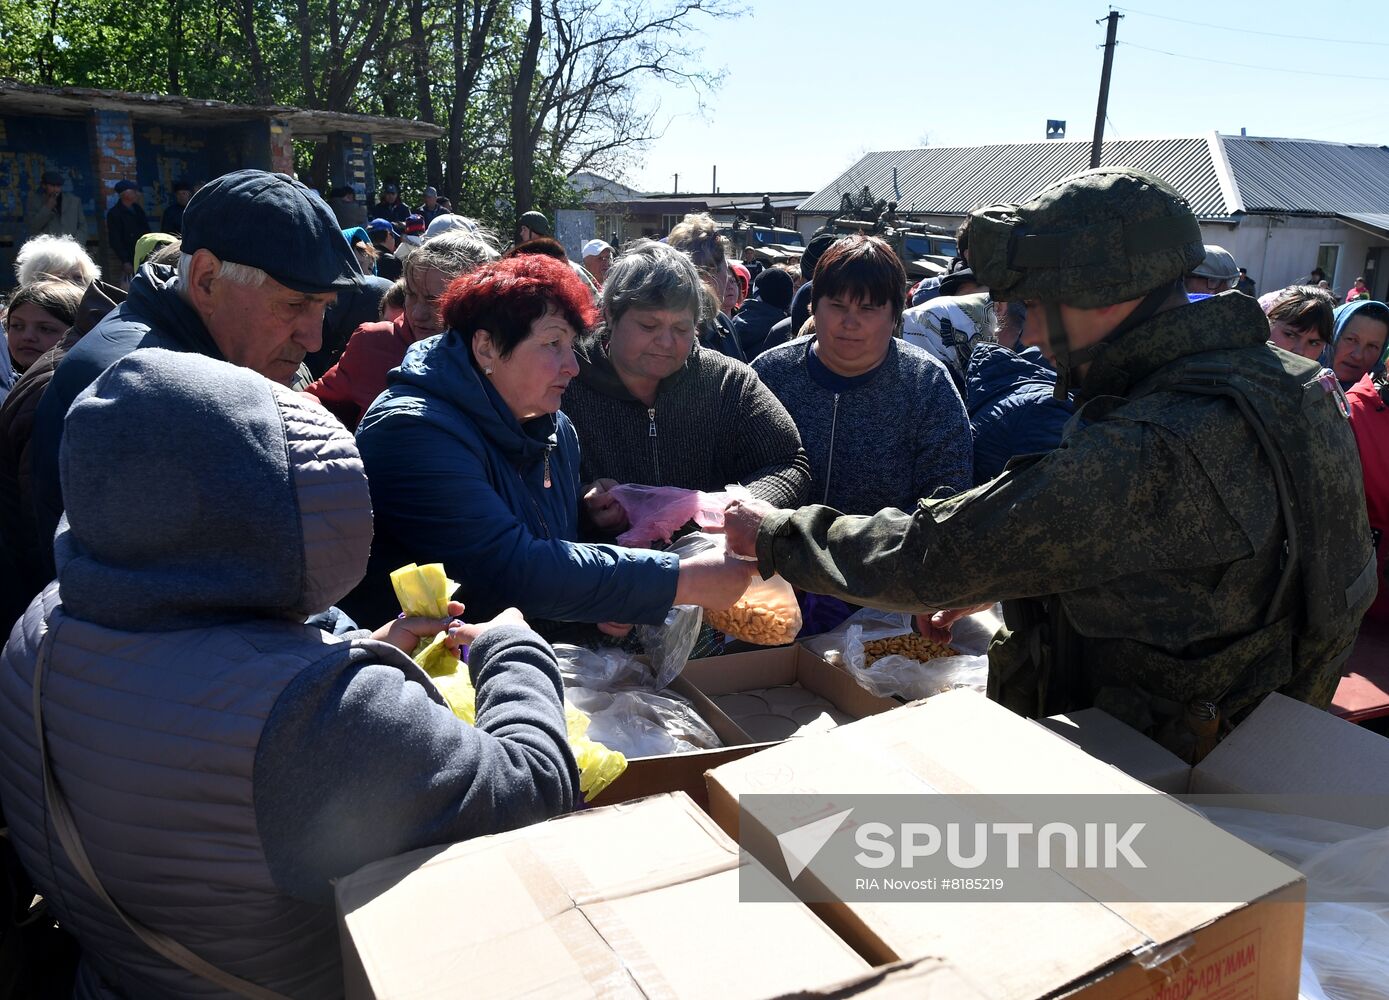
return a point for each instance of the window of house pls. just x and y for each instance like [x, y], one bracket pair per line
[1328, 255]
[669, 222]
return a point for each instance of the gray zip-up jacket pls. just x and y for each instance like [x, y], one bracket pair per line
[883, 439]
[223, 760]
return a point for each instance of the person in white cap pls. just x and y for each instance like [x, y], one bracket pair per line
[598, 257]
[449, 222]
[1215, 274]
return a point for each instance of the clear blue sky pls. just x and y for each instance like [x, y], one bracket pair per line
[810, 85]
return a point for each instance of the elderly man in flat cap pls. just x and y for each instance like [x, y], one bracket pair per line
[234, 296]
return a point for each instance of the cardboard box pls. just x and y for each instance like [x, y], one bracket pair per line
[960, 742]
[718, 675]
[1284, 747]
[635, 900]
[1106, 738]
[921, 979]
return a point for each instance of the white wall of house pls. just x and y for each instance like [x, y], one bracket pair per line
[1279, 249]
[807, 224]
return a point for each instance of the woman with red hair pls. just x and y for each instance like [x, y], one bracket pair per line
[472, 464]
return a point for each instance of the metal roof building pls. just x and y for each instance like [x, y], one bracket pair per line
[1280, 205]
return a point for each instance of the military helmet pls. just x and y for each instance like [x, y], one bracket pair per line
[1092, 239]
[1218, 264]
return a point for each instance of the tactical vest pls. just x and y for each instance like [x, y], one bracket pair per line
[1297, 413]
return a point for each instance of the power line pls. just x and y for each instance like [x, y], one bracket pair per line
[1251, 31]
[1264, 69]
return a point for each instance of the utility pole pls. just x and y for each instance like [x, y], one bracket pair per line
[677, 185]
[1098, 143]
[715, 182]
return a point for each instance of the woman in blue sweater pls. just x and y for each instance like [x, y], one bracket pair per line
[472, 464]
[880, 419]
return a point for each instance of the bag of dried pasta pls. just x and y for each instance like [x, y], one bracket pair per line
[425, 591]
[766, 615]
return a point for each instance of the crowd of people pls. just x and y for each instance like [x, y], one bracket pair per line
[209, 471]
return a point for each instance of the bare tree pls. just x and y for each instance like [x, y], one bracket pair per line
[419, 64]
[472, 29]
[329, 77]
[581, 96]
[260, 79]
[525, 127]
[353, 36]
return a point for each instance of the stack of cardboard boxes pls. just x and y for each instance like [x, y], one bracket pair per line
[641, 898]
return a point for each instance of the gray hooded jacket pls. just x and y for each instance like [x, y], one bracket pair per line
[223, 760]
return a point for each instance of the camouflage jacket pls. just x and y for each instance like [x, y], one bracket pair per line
[1155, 533]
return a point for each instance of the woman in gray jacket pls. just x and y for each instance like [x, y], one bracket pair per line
[651, 405]
[221, 760]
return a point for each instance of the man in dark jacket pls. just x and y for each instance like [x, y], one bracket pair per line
[386, 239]
[767, 306]
[172, 222]
[1246, 284]
[1173, 562]
[431, 209]
[346, 209]
[235, 296]
[126, 222]
[390, 207]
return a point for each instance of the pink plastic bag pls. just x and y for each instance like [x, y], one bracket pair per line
[656, 513]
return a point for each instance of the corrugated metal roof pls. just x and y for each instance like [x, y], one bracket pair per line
[1301, 175]
[953, 180]
[1375, 222]
[1219, 174]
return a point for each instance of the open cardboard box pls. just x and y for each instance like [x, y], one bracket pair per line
[636, 900]
[717, 675]
[959, 742]
[1284, 748]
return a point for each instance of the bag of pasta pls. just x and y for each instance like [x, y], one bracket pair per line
[766, 615]
[425, 591]
[889, 659]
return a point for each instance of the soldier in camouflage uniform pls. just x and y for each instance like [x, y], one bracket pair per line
[1198, 540]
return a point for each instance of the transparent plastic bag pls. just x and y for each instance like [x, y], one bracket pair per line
[894, 675]
[1345, 944]
[767, 614]
[668, 645]
[656, 513]
[604, 669]
[642, 723]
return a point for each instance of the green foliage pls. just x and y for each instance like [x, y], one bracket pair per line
[358, 56]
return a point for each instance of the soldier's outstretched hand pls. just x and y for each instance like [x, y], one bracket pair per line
[741, 519]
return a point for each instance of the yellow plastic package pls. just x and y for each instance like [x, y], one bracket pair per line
[424, 591]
